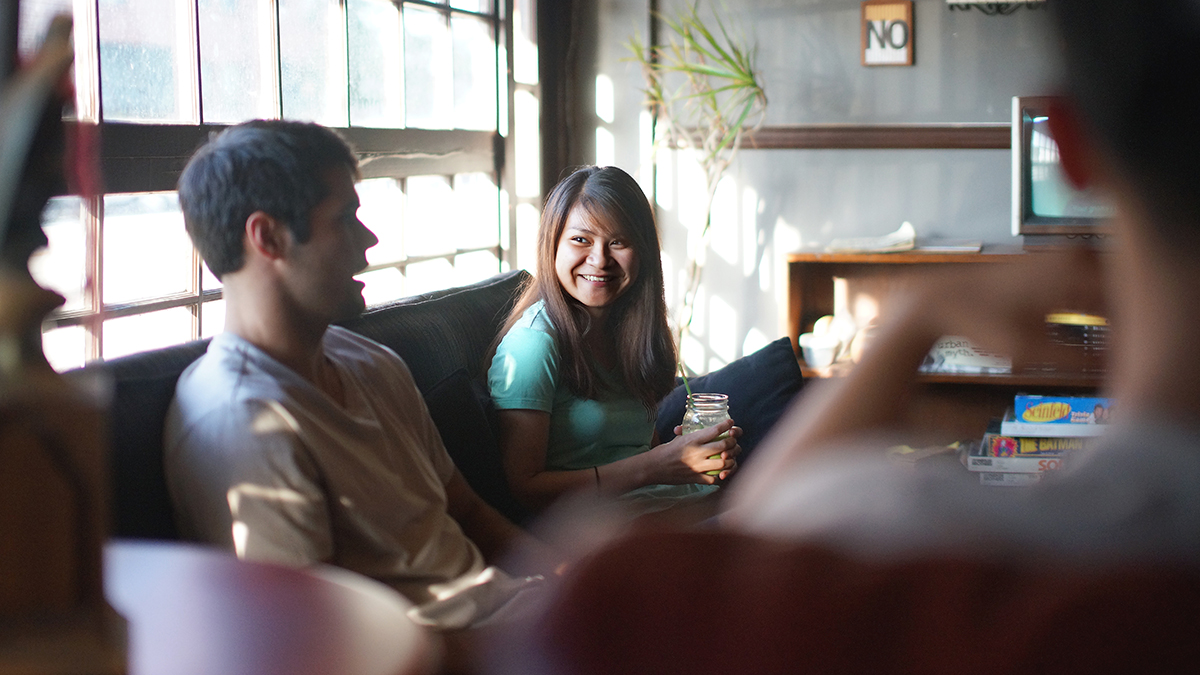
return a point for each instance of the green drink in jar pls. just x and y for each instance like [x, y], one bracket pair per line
[704, 411]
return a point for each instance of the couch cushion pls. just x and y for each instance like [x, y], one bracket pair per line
[438, 333]
[460, 408]
[142, 387]
[759, 385]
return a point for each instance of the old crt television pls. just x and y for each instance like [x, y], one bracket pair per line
[1044, 201]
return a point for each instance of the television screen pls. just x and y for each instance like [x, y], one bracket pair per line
[1051, 194]
[1044, 200]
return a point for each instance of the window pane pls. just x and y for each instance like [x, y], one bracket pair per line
[382, 285]
[147, 252]
[428, 69]
[312, 48]
[476, 211]
[525, 51]
[427, 276]
[207, 280]
[34, 19]
[147, 62]
[527, 144]
[376, 65]
[146, 331]
[64, 347]
[474, 73]
[237, 60]
[62, 266]
[382, 211]
[212, 318]
[481, 6]
[477, 266]
[502, 81]
[427, 229]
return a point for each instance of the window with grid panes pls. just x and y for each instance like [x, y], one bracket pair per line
[423, 89]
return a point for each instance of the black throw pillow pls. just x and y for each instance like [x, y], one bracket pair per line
[458, 409]
[759, 385]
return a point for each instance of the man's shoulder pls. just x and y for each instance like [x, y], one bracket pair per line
[231, 368]
[223, 387]
[374, 361]
[344, 344]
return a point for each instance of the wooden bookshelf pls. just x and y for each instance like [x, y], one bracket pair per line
[1031, 379]
[868, 275]
[956, 403]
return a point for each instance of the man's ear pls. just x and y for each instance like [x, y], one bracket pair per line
[266, 235]
[1075, 153]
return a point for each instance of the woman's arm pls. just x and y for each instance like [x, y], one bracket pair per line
[525, 436]
[497, 537]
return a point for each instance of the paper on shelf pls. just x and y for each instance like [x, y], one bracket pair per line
[957, 354]
[903, 239]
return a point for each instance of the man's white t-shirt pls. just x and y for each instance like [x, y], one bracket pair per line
[262, 462]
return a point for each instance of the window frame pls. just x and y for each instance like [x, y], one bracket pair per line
[136, 157]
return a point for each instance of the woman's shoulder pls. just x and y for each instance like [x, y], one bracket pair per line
[536, 318]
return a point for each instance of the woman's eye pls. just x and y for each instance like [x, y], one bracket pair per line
[579, 240]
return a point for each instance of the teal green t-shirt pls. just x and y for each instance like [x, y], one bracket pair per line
[525, 375]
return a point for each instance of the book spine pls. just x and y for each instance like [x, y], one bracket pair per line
[1037, 429]
[1008, 479]
[997, 445]
[1014, 464]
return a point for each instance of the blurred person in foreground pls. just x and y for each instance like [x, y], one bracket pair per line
[861, 565]
[1126, 126]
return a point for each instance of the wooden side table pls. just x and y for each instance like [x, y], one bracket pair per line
[192, 610]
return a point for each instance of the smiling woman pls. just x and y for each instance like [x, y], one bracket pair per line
[586, 356]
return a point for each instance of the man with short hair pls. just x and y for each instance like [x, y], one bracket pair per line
[299, 442]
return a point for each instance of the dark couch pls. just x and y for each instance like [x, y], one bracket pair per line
[443, 337]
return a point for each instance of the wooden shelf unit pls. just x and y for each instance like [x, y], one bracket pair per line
[954, 402]
[1031, 379]
[811, 277]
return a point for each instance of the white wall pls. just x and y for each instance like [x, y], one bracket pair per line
[968, 67]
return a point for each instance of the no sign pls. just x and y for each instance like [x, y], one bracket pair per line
[887, 33]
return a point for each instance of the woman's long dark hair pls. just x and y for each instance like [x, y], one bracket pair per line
[638, 319]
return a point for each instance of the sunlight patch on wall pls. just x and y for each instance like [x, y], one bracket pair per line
[785, 240]
[665, 190]
[669, 282]
[754, 341]
[692, 353]
[723, 235]
[604, 98]
[606, 147]
[722, 330]
[751, 207]
[692, 200]
[645, 172]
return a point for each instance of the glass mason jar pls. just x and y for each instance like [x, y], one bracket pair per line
[703, 411]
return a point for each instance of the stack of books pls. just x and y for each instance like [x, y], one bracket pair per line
[1037, 435]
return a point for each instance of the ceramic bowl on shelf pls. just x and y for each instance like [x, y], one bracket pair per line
[820, 351]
